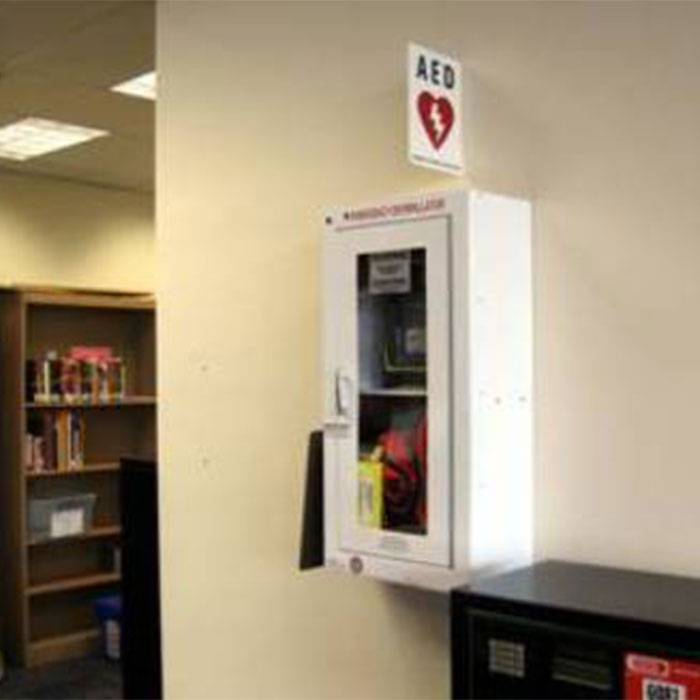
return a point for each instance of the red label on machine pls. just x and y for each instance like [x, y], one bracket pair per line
[655, 678]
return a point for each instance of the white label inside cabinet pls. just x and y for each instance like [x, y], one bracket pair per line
[390, 273]
[415, 341]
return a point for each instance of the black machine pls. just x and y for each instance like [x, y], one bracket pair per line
[141, 647]
[562, 630]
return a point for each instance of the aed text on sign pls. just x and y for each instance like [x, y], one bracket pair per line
[435, 72]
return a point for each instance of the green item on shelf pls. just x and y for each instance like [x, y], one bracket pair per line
[369, 492]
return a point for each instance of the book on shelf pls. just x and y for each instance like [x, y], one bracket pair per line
[85, 374]
[55, 442]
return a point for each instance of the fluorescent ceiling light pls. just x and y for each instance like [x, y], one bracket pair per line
[33, 137]
[141, 86]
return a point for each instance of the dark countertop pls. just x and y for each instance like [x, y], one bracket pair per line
[620, 593]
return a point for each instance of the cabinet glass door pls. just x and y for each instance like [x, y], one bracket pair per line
[392, 372]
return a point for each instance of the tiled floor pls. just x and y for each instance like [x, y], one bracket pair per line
[84, 679]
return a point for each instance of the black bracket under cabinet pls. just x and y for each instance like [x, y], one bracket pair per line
[311, 555]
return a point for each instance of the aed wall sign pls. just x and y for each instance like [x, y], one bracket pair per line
[434, 110]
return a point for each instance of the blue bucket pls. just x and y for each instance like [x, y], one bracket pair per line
[109, 613]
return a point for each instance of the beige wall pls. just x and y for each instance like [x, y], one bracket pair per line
[56, 232]
[271, 111]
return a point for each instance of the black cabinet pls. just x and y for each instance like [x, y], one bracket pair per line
[562, 630]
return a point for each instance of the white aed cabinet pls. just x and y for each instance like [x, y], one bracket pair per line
[428, 388]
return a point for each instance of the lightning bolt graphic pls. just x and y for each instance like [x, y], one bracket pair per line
[436, 118]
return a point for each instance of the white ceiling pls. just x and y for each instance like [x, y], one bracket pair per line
[58, 59]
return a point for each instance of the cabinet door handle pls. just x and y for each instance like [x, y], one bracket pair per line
[343, 393]
[342, 400]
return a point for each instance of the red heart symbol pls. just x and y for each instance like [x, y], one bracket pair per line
[437, 117]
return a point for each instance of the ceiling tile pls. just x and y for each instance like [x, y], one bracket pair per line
[57, 61]
[26, 27]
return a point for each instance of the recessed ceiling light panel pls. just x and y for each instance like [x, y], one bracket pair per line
[141, 86]
[34, 137]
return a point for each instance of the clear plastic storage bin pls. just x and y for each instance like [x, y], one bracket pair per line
[64, 516]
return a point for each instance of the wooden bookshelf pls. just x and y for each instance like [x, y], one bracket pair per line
[48, 586]
[56, 648]
[93, 300]
[71, 584]
[87, 469]
[92, 534]
[89, 405]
